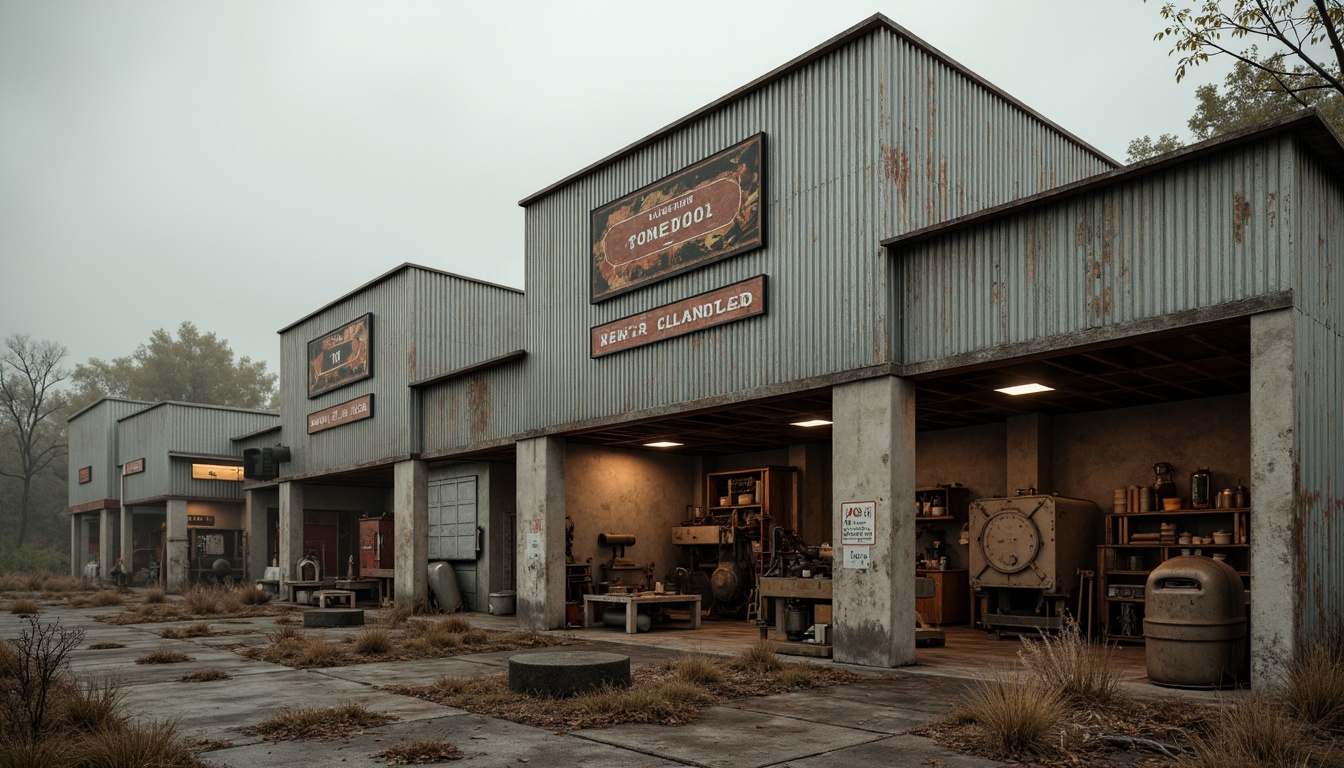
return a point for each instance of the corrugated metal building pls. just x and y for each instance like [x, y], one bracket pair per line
[791, 309]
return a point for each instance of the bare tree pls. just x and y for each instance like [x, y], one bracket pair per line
[30, 405]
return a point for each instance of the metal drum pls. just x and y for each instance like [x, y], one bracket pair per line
[1195, 623]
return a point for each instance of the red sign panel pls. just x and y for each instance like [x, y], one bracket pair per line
[709, 211]
[723, 305]
[341, 357]
[85, 474]
[349, 412]
[133, 467]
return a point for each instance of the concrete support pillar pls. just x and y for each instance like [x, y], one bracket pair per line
[1275, 580]
[873, 460]
[541, 533]
[1030, 453]
[126, 531]
[176, 556]
[410, 520]
[291, 529]
[254, 528]
[107, 544]
[76, 545]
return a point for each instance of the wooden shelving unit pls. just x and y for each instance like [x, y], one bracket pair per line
[772, 502]
[1121, 585]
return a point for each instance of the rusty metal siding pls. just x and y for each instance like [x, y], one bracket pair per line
[393, 430]
[93, 443]
[474, 409]
[1211, 231]
[1318, 408]
[461, 322]
[864, 143]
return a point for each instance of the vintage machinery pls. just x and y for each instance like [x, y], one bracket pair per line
[375, 547]
[1026, 552]
[215, 555]
[621, 573]
[718, 551]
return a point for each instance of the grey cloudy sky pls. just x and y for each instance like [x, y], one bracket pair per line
[239, 164]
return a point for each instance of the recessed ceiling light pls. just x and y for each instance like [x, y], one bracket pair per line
[812, 423]
[1025, 389]
[663, 444]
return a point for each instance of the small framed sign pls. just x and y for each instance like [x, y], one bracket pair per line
[85, 475]
[133, 467]
[858, 524]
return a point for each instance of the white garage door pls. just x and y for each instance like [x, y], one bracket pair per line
[452, 518]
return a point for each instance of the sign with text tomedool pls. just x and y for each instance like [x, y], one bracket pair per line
[722, 305]
[343, 356]
[709, 211]
[339, 415]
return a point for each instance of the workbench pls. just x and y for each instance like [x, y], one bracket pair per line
[781, 589]
[593, 604]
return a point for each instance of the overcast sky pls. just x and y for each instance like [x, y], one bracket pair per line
[239, 164]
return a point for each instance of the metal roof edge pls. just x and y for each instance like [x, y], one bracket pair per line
[508, 357]
[403, 267]
[103, 399]
[206, 406]
[1306, 124]
[877, 21]
[256, 433]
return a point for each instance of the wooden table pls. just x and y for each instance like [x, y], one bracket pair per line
[373, 586]
[292, 589]
[594, 603]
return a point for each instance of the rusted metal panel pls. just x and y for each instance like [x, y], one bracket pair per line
[1318, 412]
[871, 139]
[1201, 234]
[93, 444]
[152, 433]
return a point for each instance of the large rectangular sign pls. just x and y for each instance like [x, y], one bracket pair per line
[341, 357]
[339, 415]
[709, 211]
[723, 305]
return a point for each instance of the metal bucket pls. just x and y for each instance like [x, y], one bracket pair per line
[503, 603]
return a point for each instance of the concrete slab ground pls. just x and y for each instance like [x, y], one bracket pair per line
[857, 725]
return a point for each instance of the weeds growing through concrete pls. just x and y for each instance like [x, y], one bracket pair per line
[1072, 665]
[199, 629]
[420, 752]
[1254, 732]
[319, 723]
[156, 596]
[24, 607]
[1020, 713]
[412, 639]
[163, 656]
[205, 676]
[1313, 686]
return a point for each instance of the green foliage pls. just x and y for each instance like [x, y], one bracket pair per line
[1146, 147]
[192, 368]
[35, 558]
[1251, 95]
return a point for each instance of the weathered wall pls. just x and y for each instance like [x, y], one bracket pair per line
[972, 456]
[616, 491]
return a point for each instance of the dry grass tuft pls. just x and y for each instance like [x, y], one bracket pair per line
[759, 657]
[319, 723]
[317, 652]
[456, 624]
[47, 583]
[147, 745]
[24, 607]
[420, 752]
[163, 656]
[205, 676]
[93, 706]
[285, 618]
[1021, 715]
[285, 631]
[155, 596]
[396, 615]
[1254, 733]
[199, 629]
[1313, 686]
[254, 596]
[104, 598]
[373, 641]
[696, 668]
[1079, 669]
[105, 646]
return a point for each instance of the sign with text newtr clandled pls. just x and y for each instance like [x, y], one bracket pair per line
[709, 211]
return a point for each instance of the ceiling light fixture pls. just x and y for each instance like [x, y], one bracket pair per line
[663, 444]
[812, 423]
[1025, 389]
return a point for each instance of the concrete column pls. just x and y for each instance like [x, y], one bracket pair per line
[126, 534]
[254, 527]
[107, 546]
[873, 460]
[76, 545]
[1275, 580]
[410, 520]
[541, 533]
[291, 529]
[176, 556]
[1030, 453]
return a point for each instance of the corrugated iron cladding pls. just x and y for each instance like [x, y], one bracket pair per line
[461, 322]
[169, 427]
[93, 443]
[1318, 429]
[474, 409]
[1197, 235]
[870, 141]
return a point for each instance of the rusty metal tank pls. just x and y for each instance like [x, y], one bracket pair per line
[1025, 555]
[1195, 623]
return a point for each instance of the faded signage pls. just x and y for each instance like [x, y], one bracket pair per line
[85, 474]
[339, 415]
[858, 558]
[201, 520]
[858, 523]
[133, 467]
[343, 356]
[717, 307]
[709, 211]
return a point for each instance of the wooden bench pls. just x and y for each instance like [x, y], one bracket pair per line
[341, 597]
[594, 604]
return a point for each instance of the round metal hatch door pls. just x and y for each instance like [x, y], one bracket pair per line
[1010, 541]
